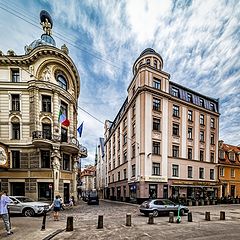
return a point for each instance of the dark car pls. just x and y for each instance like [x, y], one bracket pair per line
[93, 198]
[157, 206]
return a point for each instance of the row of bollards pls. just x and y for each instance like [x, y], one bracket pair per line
[69, 226]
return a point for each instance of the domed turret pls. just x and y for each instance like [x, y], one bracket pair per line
[148, 57]
[46, 38]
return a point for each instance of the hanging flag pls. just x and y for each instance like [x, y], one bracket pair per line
[63, 119]
[80, 128]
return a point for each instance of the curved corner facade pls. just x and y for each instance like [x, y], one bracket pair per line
[38, 123]
[163, 141]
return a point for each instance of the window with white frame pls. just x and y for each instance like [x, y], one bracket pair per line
[190, 115]
[211, 174]
[133, 170]
[221, 171]
[157, 83]
[232, 172]
[156, 169]
[201, 121]
[175, 170]
[175, 130]
[190, 171]
[175, 111]
[190, 133]
[156, 148]
[221, 154]
[212, 123]
[232, 156]
[156, 104]
[201, 136]
[201, 173]
[156, 124]
[175, 151]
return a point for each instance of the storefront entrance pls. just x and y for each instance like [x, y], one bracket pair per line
[152, 190]
[66, 195]
[44, 192]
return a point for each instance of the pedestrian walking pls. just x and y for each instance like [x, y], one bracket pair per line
[62, 204]
[4, 200]
[56, 208]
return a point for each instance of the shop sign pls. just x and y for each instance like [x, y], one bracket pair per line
[155, 179]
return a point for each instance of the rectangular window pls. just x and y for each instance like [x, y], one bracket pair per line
[125, 123]
[156, 104]
[201, 119]
[156, 169]
[175, 92]
[156, 124]
[15, 159]
[133, 151]
[175, 151]
[157, 83]
[47, 132]
[66, 162]
[190, 172]
[15, 75]
[133, 170]
[190, 115]
[156, 148]
[125, 173]
[175, 111]
[232, 156]
[212, 157]
[119, 176]
[133, 129]
[212, 139]
[212, 174]
[15, 102]
[113, 178]
[201, 173]
[125, 157]
[64, 109]
[175, 130]
[211, 106]
[124, 138]
[64, 135]
[189, 133]
[201, 102]
[221, 172]
[201, 136]
[221, 154]
[189, 97]
[45, 159]
[16, 131]
[190, 153]
[201, 155]
[46, 103]
[232, 172]
[175, 170]
[133, 110]
[212, 124]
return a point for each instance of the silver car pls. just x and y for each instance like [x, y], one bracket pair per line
[27, 206]
[157, 206]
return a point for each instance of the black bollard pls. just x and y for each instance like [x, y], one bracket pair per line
[69, 224]
[100, 221]
[128, 220]
[222, 215]
[44, 220]
[207, 216]
[190, 217]
[150, 219]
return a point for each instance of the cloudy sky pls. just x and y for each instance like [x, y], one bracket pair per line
[199, 42]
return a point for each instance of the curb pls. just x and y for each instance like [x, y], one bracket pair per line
[126, 203]
[50, 236]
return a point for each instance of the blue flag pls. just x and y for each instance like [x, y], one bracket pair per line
[80, 128]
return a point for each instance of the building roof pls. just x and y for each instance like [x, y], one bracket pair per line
[227, 148]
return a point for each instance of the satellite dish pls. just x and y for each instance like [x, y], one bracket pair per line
[43, 15]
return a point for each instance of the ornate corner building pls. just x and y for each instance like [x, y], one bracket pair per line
[39, 150]
[163, 141]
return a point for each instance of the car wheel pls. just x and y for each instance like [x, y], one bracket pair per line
[29, 212]
[155, 213]
[182, 212]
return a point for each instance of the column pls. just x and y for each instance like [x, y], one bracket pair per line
[71, 133]
[56, 163]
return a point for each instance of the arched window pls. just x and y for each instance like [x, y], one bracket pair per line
[155, 63]
[62, 82]
[148, 61]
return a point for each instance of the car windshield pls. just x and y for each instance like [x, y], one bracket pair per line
[168, 202]
[24, 199]
[93, 194]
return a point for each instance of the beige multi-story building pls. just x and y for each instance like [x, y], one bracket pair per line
[101, 170]
[88, 179]
[39, 151]
[163, 141]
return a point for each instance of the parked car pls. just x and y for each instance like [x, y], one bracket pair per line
[92, 198]
[157, 206]
[27, 206]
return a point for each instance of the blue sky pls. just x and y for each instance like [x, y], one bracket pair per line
[199, 42]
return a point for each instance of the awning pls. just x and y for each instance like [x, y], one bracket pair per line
[194, 186]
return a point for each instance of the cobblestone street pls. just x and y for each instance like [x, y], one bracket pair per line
[86, 217]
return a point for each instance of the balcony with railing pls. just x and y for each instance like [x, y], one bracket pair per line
[72, 145]
[42, 139]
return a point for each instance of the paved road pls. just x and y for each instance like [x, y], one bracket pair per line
[86, 217]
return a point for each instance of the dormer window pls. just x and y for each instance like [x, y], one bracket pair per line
[189, 97]
[62, 82]
[175, 92]
[232, 156]
[201, 102]
[221, 154]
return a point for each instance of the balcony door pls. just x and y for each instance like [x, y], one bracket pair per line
[47, 132]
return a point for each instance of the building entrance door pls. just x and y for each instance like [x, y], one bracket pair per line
[66, 194]
[232, 190]
[152, 190]
[165, 191]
